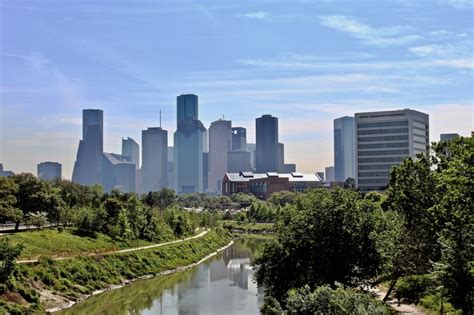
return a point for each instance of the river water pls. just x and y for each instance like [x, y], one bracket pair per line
[221, 285]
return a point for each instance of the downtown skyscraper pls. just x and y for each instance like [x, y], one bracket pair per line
[383, 140]
[268, 149]
[88, 168]
[154, 171]
[344, 148]
[188, 146]
[220, 143]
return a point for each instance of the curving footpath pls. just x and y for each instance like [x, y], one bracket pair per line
[129, 250]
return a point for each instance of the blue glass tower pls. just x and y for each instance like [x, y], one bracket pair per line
[344, 148]
[188, 146]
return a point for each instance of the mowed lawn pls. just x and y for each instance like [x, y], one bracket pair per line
[62, 244]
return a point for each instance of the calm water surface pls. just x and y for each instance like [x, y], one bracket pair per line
[222, 285]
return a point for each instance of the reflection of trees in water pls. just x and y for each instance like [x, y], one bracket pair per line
[142, 295]
[244, 248]
[132, 299]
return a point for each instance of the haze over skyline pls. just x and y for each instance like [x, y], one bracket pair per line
[305, 62]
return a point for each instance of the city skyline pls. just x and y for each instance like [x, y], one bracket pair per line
[306, 63]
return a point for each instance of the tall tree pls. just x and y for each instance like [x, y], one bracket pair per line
[327, 240]
[8, 201]
[455, 185]
[412, 194]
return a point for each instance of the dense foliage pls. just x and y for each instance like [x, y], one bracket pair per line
[418, 235]
[326, 301]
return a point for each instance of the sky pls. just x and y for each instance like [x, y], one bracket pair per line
[306, 62]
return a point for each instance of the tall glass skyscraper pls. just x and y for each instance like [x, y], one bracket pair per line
[131, 151]
[154, 172]
[267, 153]
[49, 170]
[239, 139]
[220, 143]
[344, 148]
[188, 146]
[89, 161]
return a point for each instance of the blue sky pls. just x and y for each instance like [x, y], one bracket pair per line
[305, 61]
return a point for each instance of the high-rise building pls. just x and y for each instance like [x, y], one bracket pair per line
[344, 148]
[89, 161]
[383, 140]
[4, 173]
[288, 168]
[131, 151]
[281, 158]
[187, 107]
[205, 171]
[118, 173]
[239, 139]
[267, 153]
[188, 146]
[239, 161]
[171, 167]
[220, 143]
[205, 141]
[330, 174]
[49, 170]
[448, 136]
[252, 149]
[154, 172]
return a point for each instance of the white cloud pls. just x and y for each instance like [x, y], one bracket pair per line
[383, 36]
[258, 15]
[456, 49]
[457, 63]
[459, 4]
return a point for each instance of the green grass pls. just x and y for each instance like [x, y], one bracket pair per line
[249, 227]
[61, 244]
[77, 276]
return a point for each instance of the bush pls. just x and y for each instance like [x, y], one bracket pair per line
[413, 287]
[433, 302]
[325, 300]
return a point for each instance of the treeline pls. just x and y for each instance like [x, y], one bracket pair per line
[25, 199]
[416, 238]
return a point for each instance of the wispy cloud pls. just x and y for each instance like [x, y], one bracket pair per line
[459, 4]
[257, 15]
[383, 36]
[457, 63]
[461, 48]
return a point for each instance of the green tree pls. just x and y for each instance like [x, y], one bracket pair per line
[89, 221]
[412, 194]
[32, 194]
[454, 174]
[161, 199]
[327, 240]
[324, 300]
[8, 209]
[283, 198]
[8, 255]
[37, 219]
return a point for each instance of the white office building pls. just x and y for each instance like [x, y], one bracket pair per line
[384, 140]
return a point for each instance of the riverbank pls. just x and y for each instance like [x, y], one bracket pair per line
[146, 277]
[249, 228]
[57, 284]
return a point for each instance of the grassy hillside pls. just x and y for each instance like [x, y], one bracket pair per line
[60, 244]
[53, 283]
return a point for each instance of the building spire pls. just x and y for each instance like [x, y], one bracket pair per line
[160, 118]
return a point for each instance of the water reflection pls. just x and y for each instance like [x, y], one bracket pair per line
[223, 285]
